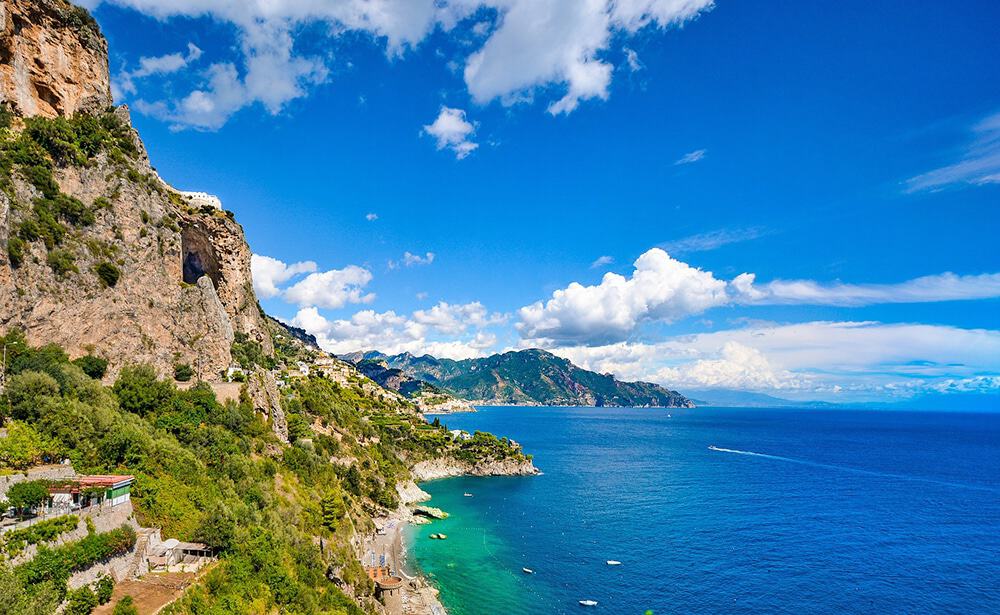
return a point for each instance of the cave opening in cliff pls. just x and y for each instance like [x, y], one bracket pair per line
[199, 258]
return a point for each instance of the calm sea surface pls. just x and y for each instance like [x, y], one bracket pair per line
[806, 511]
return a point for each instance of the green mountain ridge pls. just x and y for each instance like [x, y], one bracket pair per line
[526, 377]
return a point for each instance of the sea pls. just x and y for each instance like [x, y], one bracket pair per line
[723, 510]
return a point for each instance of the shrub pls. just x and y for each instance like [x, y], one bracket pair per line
[125, 606]
[183, 372]
[58, 564]
[15, 250]
[44, 531]
[62, 262]
[81, 601]
[104, 588]
[108, 273]
[95, 367]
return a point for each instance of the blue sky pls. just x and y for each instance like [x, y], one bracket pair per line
[456, 178]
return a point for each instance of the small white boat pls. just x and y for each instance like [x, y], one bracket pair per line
[468, 495]
[528, 571]
[614, 562]
[588, 603]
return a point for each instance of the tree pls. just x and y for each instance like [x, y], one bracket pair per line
[332, 509]
[26, 494]
[26, 390]
[42, 599]
[297, 427]
[218, 529]
[141, 392]
[24, 447]
[95, 367]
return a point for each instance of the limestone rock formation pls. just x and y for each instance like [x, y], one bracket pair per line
[53, 59]
[105, 257]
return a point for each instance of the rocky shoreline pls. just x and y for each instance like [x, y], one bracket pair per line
[447, 468]
[422, 597]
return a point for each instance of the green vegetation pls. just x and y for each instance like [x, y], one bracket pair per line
[104, 587]
[63, 262]
[17, 597]
[108, 273]
[45, 531]
[25, 447]
[26, 495]
[215, 473]
[15, 250]
[56, 565]
[248, 353]
[125, 606]
[35, 153]
[80, 601]
[183, 372]
[95, 367]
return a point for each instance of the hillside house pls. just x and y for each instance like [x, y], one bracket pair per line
[93, 490]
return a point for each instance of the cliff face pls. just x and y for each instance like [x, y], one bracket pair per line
[99, 254]
[53, 59]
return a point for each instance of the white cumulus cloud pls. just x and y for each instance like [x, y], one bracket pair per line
[446, 330]
[524, 48]
[664, 289]
[331, 289]
[660, 288]
[269, 272]
[452, 131]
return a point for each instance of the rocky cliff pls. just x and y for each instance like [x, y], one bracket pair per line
[99, 254]
[53, 59]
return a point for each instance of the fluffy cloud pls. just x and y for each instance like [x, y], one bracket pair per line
[452, 331]
[979, 165]
[660, 288]
[664, 289]
[815, 358]
[454, 319]
[528, 46]
[452, 131]
[269, 272]
[331, 289]
[371, 217]
[691, 157]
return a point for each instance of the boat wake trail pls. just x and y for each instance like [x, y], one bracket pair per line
[826, 466]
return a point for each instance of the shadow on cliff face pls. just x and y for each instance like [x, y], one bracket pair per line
[199, 256]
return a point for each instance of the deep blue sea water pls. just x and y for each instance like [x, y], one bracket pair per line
[837, 512]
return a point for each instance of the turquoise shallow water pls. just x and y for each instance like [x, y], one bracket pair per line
[856, 512]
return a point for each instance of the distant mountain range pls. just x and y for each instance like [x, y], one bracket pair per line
[943, 402]
[526, 377]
